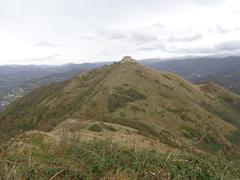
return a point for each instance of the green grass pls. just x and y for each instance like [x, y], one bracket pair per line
[190, 133]
[229, 115]
[122, 114]
[234, 137]
[210, 144]
[120, 97]
[104, 159]
[95, 128]
[207, 143]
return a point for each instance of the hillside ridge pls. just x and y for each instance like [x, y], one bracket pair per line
[158, 104]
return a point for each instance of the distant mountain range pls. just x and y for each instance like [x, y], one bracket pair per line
[230, 79]
[14, 75]
[224, 71]
[18, 80]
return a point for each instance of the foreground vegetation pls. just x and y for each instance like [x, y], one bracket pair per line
[104, 159]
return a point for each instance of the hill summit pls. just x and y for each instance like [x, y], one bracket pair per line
[128, 59]
[158, 105]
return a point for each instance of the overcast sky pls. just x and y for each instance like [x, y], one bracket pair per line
[61, 31]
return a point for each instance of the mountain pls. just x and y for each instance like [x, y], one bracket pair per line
[122, 121]
[9, 94]
[230, 79]
[222, 70]
[18, 74]
[190, 68]
[18, 80]
[157, 104]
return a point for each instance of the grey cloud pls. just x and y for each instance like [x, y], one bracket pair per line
[228, 46]
[219, 29]
[193, 50]
[219, 48]
[153, 47]
[45, 44]
[158, 26]
[118, 35]
[43, 59]
[115, 35]
[140, 37]
[112, 34]
[237, 29]
[186, 38]
[133, 36]
[208, 2]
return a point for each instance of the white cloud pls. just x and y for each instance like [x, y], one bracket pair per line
[208, 2]
[45, 44]
[219, 29]
[155, 47]
[185, 38]
[228, 45]
[107, 29]
[141, 37]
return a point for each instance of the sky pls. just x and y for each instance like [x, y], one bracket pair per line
[77, 31]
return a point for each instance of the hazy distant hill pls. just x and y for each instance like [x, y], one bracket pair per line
[193, 68]
[14, 75]
[230, 79]
[224, 71]
[18, 80]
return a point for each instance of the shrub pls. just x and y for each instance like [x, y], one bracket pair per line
[96, 128]
[210, 144]
[122, 114]
[234, 137]
[120, 97]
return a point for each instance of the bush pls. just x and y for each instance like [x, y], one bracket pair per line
[122, 114]
[120, 97]
[96, 128]
[234, 137]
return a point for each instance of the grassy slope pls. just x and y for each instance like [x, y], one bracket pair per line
[156, 103]
[224, 104]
